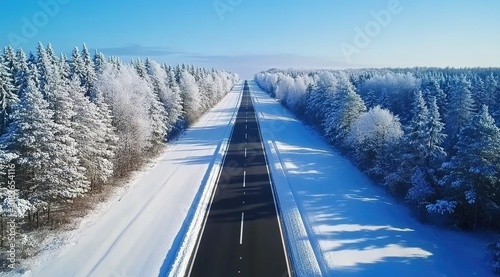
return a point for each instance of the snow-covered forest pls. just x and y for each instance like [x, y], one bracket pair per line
[429, 136]
[69, 125]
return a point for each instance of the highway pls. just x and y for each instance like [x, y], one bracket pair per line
[242, 236]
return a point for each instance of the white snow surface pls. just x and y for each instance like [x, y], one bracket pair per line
[141, 232]
[338, 223]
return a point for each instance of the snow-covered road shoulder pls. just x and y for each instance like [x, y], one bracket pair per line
[334, 214]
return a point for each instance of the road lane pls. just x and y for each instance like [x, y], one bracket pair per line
[242, 236]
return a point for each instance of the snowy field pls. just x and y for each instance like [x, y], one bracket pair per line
[140, 232]
[353, 228]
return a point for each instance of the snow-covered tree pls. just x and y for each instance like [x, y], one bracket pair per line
[410, 167]
[127, 96]
[173, 99]
[95, 150]
[420, 189]
[190, 96]
[77, 65]
[414, 152]
[8, 95]
[371, 131]
[99, 62]
[433, 89]
[460, 107]
[473, 173]
[32, 135]
[435, 152]
[89, 77]
[347, 107]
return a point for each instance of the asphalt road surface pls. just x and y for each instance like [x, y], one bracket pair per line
[242, 235]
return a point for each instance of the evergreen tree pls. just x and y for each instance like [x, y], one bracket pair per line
[174, 101]
[8, 95]
[190, 96]
[420, 190]
[415, 147]
[31, 137]
[461, 107]
[77, 65]
[51, 55]
[492, 96]
[347, 107]
[473, 173]
[95, 148]
[434, 90]
[479, 92]
[418, 136]
[99, 62]
[435, 151]
[68, 174]
[89, 77]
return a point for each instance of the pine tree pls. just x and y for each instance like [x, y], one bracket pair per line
[25, 71]
[12, 63]
[95, 148]
[492, 96]
[43, 65]
[420, 190]
[347, 107]
[418, 133]
[51, 55]
[415, 152]
[491, 88]
[473, 173]
[89, 76]
[77, 65]
[435, 151]
[8, 95]
[99, 62]
[107, 132]
[434, 90]
[174, 101]
[64, 68]
[190, 96]
[30, 137]
[69, 175]
[479, 92]
[461, 107]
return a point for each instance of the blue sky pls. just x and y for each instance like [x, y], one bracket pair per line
[247, 36]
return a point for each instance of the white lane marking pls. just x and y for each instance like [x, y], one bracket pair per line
[246, 136]
[246, 119]
[241, 232]
[244, 178]
[245, 152]
[246, 126]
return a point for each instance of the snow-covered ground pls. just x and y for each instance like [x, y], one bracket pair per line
[140, 233]
[333, 213]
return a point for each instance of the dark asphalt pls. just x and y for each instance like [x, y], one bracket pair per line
[242, 236]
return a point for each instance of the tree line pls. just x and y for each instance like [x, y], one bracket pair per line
[69, 125]
[428, 135]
